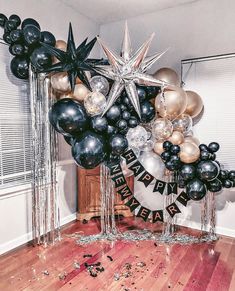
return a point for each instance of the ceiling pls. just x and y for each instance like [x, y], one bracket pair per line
[104, 11]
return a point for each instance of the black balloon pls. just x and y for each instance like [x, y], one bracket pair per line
[170, 166]
[112, 160]
[213, 147]
[31, 34]
[114, 113]
[152, 91]
[89, 150]
[141, 94]
[205, 155]
[6, 37]
[40, 58]
[3, 20]
[215, 185]
[223, 174]
[196, 189]
[133, 122]
[166, 156]
[16, 36]
[126, 115]
[147, 111]
[187, 172]
[167, 145]
[122, 124]
[16, 19]
[231, 175]
[48, 38]
[212, 156]
[207, 170]
[20, 67]
[203, 147]
[68, 117]
[227, 183]
[10, 25]
[117, 144]
[16, 49]
[123, 107]
[30, 21]
[99, 124]
[70, 140]
[181, 183]
[175, 149]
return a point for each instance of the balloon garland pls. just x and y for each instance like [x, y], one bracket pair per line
[105, 107]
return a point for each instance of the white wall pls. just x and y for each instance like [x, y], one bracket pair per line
[197, 29]
[15, 208]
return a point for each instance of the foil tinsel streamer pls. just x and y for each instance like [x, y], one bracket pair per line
[211, 215]
[45, 212]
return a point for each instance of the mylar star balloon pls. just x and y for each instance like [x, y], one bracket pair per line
[74, 61]
[128, 69]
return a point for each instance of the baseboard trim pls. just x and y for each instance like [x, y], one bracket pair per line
[21, 240]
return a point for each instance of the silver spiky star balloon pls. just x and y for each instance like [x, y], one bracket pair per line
[128, 69]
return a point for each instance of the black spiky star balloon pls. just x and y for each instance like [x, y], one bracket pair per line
[74, 61]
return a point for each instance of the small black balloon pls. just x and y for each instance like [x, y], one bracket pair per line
[187, 172]
[212, 156]
[3, 20]
[111, 130]
[20, 67]
[213, 147]
[181, 183]
[126, 101]
[166, 156]
[123, 107]
[89, 150]
[31, 34]
[99, 124]
[114, 113]
[175, 149]
[40, 58]
[203, 147]
[215, 185]
[205, 155]
[141, 94]
[117, 144]
[231, 175]
[167, 145]
[126, 115]
[207, 170]
[133, 122]
[112, 160]
[227, 184]
[16, 19]
[147, 111]
[223, 174]
[10, 25]
[16, 49]
[122, 124]
[68, 117]
[196, 189]
[30, 21]
[6, 37]
[170, 166]
[16, 36]
[48, 38]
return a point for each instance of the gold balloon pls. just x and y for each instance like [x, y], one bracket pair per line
[167, 75]
[194, 104]
[60, 82]
[158, 148]
[189, 152]
[80, 92]
[172, 104]
[192, 139]
[62, 45]
[176, 138]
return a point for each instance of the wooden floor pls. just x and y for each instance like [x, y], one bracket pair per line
[139, 266]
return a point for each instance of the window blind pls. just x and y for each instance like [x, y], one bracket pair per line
[15, 126]
[214, 80]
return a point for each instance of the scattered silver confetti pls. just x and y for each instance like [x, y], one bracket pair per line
[62, 276]
[45, 272]
[116, 276]
[141, 264]
[76, 265]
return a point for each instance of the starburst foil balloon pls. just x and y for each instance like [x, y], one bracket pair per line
[128, 69]
[74, 61]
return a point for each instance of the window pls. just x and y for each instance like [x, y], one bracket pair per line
[15, 126]
[214, 80]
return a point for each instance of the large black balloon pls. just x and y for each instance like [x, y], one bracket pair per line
[147, 111]
[196, 189]
[215, 185]
[89, 150]
[20, 67]
[30, 21]
[48, 38]
[207, 170]
[16, 36]
[114, 113]
[117, 144]
[187, 172]
[41, 59]
[32, 35]
[68, 117]
[15, 18]
[3, 20]
[99, 124]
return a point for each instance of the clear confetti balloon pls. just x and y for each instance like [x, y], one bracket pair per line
[95, 103]
[162, 128]
[99, 84]
[153, 164]
[137, 137]
[148, 146]
[183, 123]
